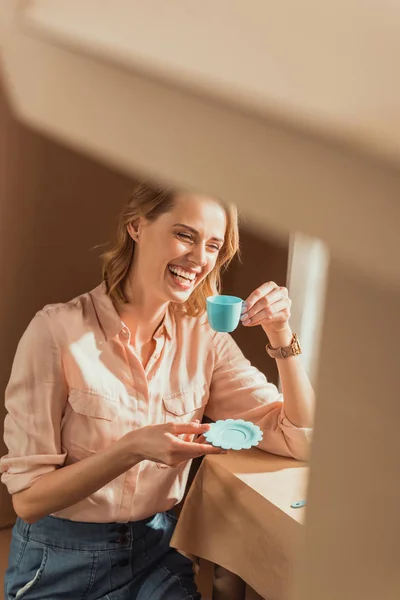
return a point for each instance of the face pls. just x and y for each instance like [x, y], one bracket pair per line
[179, 249]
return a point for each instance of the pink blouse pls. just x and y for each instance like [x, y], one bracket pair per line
[77, 386]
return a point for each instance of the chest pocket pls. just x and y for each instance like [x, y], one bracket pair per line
[92, 404]
[91, 423]
[187, 404]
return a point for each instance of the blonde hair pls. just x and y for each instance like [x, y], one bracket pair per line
[151, 201]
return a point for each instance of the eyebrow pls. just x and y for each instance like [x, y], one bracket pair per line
[217, 239]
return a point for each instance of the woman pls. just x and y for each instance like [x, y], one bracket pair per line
[112, 387]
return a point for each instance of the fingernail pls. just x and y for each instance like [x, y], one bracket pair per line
[244, 316]
[224, 452]
[246, 322]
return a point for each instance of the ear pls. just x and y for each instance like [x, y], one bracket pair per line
[134, 229]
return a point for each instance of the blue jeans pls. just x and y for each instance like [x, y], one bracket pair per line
[56, 559]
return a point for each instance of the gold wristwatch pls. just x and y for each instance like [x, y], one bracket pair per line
[293, 349]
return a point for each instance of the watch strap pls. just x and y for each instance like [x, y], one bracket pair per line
[294, 349]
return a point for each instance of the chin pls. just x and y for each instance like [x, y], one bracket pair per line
[178, 292]
[179, 297]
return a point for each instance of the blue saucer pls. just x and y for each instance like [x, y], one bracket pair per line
[234, 434]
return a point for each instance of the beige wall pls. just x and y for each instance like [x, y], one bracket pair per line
[261, 261]
[55, 205]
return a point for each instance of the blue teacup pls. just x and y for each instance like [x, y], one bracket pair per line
[224, 312]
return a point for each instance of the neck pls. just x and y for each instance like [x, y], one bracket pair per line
[143, 314]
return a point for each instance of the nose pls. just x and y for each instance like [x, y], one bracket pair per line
[199, 255]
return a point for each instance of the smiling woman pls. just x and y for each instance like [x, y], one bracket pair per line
[194, 236]
[106, 397]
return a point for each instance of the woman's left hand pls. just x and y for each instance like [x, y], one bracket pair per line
[268, 306]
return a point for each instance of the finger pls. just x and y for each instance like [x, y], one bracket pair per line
[185, 457]
[196, 449]
[196, 428]
[259, 293]
[201, 440]
[264, 304]
[283, 306]
[271, 295]
[212, 450]
[188, 437]
[282, 316]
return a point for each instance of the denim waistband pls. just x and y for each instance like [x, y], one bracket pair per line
[76, 535]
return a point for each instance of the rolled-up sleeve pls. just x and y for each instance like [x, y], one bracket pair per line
[35, 399]
[240, 391]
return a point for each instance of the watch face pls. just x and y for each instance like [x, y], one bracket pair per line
[296, 349]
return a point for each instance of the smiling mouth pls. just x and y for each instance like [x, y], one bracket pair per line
[182, 276]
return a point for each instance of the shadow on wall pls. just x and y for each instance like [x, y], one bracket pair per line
[55, 206]
[262, 261]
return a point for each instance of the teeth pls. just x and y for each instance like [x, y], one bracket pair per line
[182, 273]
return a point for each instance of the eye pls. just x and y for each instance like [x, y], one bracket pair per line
[185, 236]
[214, 247]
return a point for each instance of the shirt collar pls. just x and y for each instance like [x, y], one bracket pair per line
[167, 324]
[109, 319]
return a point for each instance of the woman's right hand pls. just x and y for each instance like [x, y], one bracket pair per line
[162, 444]
[65, 487]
